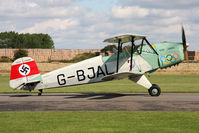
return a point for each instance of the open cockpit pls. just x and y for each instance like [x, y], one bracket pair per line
[129, 46]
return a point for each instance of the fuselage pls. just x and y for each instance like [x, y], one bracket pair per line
[95, 69]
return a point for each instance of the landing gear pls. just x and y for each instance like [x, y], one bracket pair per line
[40, 92]
[154, 90]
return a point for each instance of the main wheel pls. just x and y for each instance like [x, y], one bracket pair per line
[154, 90]
[40, 92]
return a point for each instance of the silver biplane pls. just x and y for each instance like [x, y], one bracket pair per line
[134, 57]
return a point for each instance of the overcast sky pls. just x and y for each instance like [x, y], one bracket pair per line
[84, 24]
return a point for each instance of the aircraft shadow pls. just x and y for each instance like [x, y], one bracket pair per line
[21, 95]
[98, 96]
[91, 96]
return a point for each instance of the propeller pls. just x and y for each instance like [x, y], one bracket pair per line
[186, 58]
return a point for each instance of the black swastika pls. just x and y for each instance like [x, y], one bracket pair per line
[24, 69]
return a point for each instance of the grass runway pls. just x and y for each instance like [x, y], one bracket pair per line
[168, 83]
[99, 122]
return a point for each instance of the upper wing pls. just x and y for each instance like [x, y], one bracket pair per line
[124, 38]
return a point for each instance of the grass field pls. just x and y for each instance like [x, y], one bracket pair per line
[168, 83]
[106, 121]
[99, 122]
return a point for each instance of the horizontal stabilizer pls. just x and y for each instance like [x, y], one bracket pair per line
[27, 85]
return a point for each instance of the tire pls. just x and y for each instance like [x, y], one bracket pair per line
[154, 90]
[40, 92]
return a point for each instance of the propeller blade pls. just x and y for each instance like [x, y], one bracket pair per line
[183, 36]
[184, 44]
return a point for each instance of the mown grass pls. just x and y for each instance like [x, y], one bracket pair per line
[168, 83]
[106, 121]
[99, 122]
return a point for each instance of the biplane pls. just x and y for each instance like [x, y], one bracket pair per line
[133, 59]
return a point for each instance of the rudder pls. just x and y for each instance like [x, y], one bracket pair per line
[24, 72]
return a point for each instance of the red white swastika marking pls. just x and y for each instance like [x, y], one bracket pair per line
[23, 70]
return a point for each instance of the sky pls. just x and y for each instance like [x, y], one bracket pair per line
[84, 24]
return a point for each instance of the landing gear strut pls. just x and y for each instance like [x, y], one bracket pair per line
[154, 90]
[40, 92]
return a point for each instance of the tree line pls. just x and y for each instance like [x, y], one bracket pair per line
[16, 40]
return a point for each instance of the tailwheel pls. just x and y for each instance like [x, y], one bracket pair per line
[40, 92]
[154, 90]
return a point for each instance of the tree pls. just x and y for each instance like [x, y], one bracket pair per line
[108, 48]
[15, 40]
[20, 53]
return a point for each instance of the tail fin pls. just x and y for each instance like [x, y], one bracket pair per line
[24, 74]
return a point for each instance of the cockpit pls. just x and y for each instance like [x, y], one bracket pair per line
[129, 46]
